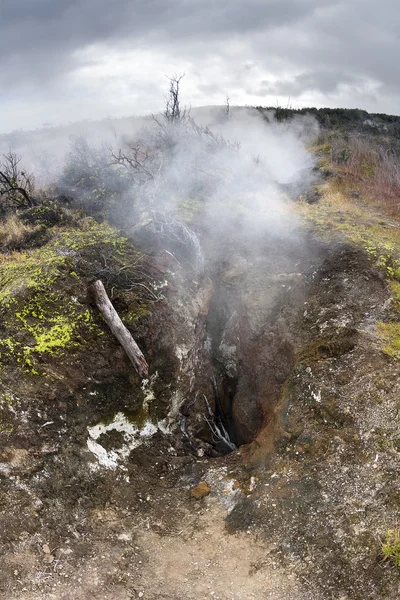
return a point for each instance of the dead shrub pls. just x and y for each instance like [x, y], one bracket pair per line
[366, 164]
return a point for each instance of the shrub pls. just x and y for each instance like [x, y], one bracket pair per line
[364, 163]
[17, 186]
[47, 214]
[90, 180]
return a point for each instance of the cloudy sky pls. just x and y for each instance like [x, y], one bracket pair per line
[67, 60]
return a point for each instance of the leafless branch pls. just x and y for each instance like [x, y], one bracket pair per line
[173, 112]
[135, 160]
[16, 185]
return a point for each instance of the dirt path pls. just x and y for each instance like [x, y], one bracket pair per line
[202, 560]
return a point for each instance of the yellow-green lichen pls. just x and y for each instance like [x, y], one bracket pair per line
[141, 311]
[39, 314]
[43, 298]
[91, 235]
[49, 327]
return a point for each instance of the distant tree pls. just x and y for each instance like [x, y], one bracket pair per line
[173, 112]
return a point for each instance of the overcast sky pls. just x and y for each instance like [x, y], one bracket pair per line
[67, 60]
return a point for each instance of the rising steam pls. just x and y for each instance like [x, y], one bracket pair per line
[171, 175]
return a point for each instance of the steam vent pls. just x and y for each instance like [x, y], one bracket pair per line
[199, 350]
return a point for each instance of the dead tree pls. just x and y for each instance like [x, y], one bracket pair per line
[117, 327]
[173, 112]
[16, 185]
[226, 111]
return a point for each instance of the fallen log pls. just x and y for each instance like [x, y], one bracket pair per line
[117, 327]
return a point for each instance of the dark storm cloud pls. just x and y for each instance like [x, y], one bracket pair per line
[345, 42]
[38, 37]
[326, 51]
[327, 82]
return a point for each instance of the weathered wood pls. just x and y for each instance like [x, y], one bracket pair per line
[119, 330]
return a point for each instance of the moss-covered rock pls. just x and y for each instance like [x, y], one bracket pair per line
[43, 301]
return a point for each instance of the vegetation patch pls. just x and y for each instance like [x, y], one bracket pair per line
[395, 289]
[337, 215]
[389, 333]
[391, 546]
[46, 214]
[14, 233]
[42, 299]
[188, 209]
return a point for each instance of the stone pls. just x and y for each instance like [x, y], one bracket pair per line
[200, 491]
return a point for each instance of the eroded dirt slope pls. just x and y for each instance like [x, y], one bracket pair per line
[98, 467]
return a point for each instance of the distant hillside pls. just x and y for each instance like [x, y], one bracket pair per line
[348, 119]
[351, 119]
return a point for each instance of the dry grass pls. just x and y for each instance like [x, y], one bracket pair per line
[13, 232]
[365, 164]
[376, 171]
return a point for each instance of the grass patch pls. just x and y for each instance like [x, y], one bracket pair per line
[391, 546]
[337, 216]
[367, 164]
[389, 334]
[395, 289]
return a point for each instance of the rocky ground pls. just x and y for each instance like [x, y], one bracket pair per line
[100, 471]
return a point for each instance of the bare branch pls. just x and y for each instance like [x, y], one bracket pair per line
[136, 160]
[16, 185]
[173, 112]
[117, 327]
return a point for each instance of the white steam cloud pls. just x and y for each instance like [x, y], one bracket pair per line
[228, 169]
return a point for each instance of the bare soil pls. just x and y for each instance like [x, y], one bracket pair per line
[298, 512]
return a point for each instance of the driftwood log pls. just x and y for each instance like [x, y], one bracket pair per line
[117, 327]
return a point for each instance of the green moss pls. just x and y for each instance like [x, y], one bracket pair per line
[25, 272]
[391, 546]
[141, 311]
[6, 428]
[395, 289]
[92, 235]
